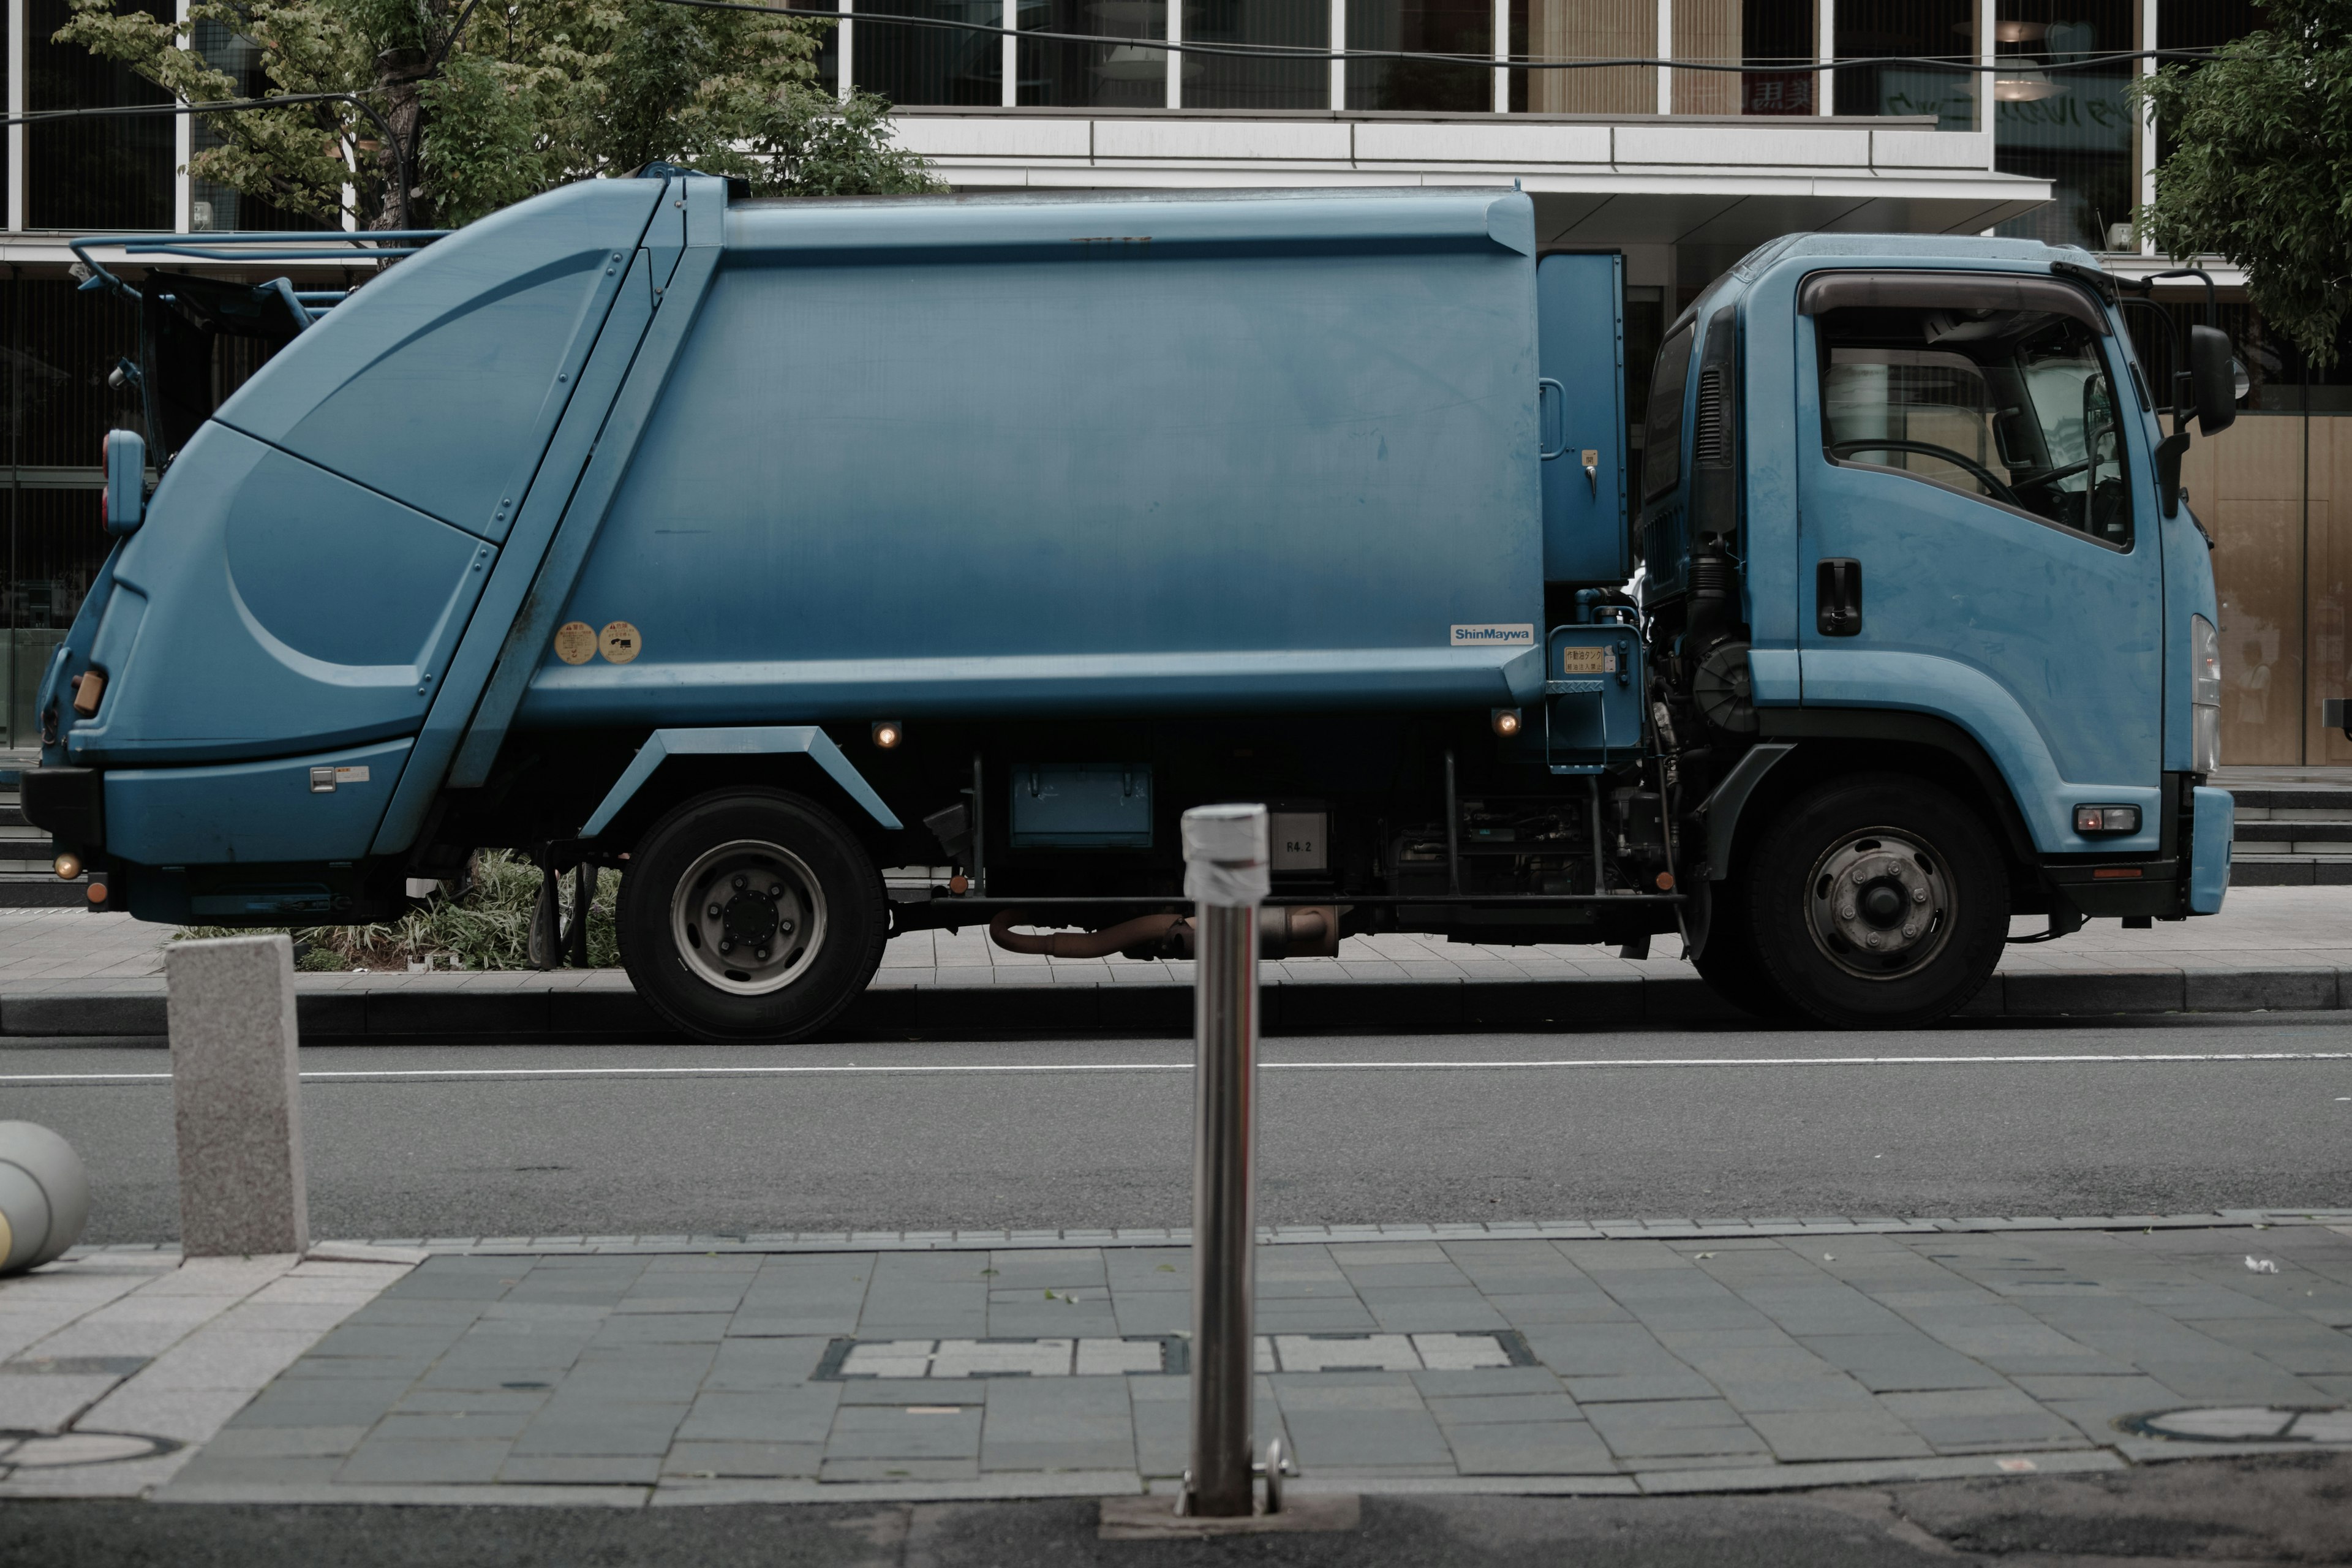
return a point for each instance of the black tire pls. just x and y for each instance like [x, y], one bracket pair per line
[1921, 874]
[1726, 958]
[798, 903]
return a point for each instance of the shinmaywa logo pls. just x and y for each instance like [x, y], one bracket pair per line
[1521, 636]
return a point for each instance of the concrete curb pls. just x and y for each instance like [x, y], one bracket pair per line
[569, 1011]
[410, 1249]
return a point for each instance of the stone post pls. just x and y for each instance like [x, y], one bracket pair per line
[237, 1098]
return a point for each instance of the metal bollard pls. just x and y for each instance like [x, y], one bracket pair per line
[44, 1196]
[1225, 874]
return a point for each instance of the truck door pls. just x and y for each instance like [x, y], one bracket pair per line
[1969, 539]
[1580, 351]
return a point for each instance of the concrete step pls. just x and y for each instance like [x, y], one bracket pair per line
[42, 892]
[2258, 837]
[2328, 800]
[2290, 871]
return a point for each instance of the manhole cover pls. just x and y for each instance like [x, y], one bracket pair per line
[41, 1451]
[2246, 1424]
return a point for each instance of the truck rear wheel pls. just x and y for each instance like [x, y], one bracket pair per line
[1878, 902]
[750, 915]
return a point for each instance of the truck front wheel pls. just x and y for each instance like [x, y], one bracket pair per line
[1878, 902]
[750, 915]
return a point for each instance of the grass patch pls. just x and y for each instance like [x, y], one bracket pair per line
[486, 927]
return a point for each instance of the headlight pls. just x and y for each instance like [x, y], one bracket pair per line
[2204, 663]
[2204, 695]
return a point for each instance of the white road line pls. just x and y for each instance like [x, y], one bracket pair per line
[457, 1075]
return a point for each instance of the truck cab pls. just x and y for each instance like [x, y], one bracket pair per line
[1934, 638]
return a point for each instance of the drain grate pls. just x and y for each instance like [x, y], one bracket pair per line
[2245, 1424]
[1165, 1355]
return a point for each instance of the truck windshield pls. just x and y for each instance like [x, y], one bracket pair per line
[2014, 407]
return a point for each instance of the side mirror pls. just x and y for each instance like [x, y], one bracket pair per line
[2212, 380]
[126, 481]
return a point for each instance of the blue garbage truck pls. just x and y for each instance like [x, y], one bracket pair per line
[840, 568]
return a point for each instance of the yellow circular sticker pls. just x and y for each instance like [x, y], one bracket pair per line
[618, 642]
[575, 642]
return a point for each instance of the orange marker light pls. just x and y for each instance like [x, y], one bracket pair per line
[1507, 721]
[889, 733]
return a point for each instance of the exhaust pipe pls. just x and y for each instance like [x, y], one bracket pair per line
[1299, 931]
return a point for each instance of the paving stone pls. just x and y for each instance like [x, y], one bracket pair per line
[662, 1328]
[1118, 1358]
[980, 1358]
[1908, 1362]
[1850, 1432]
[903, 1392]
[422, 1426]
[1502, 1407]
[1786, 1394]
[899, 1470]
[412, 1463]
[901, 1433]
[571, 1424]
[1413, 1310]
[1656, 1429]
[1529, 1448]
[762, 1363]
[48, 1402]
[784, 1416]
[716, 1461]
[1066, 1424]
[183, 1415]
[211, 1468]
[284, 1442]
[1647, 1386]
[322, 1402]
[581, 1469]
[1373, 1352]
[1963, 1421]
[1479, 1382]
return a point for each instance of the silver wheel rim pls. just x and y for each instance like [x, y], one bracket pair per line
[1879, 904]
[748, 918]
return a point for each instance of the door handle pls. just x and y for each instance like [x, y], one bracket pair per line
[1545, 383]
[1837, 597]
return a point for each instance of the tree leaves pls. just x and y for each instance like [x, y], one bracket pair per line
[514, 97]
[2261, 166]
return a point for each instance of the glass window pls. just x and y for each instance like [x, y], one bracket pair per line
[2067, 125]
[1422, 27]
[931, 65]
[102, 173]
[2013, 407]
[1777, 33]
[1931, 29]
[1094, 76]
[1661, 434]
[1234, 82]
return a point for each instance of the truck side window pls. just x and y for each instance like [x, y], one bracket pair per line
[1662, 438]
[2013, 407]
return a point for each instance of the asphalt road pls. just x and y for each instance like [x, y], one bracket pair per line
[2132, 1117]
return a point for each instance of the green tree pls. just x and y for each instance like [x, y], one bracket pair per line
[434, 112]
[2261, 166]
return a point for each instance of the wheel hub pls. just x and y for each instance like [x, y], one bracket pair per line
[748, 918]
[1881, 904]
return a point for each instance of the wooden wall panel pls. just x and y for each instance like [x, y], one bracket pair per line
[1707, 30]
[2328, 585]
[2246, 484]
[1594, 29]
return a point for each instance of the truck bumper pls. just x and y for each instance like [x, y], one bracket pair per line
[70, 803]
[2214, 813]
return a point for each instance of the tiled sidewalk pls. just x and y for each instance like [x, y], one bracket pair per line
[1597, 1365]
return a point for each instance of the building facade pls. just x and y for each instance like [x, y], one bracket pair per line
[1681, 168]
